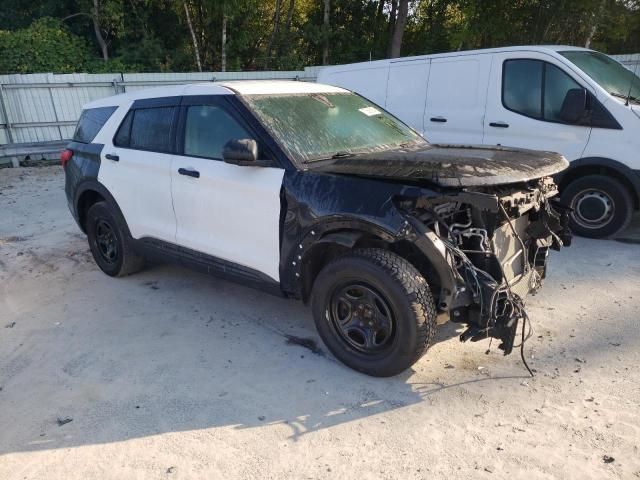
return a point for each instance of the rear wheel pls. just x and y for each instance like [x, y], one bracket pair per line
[602, 206]
[374, 311]
[108, 242]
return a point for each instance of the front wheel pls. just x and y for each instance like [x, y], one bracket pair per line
[374, 311]
[602, 206]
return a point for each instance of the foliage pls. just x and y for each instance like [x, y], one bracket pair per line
[45, 46]
[155, 35]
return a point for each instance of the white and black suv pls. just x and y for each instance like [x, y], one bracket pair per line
[313, 192]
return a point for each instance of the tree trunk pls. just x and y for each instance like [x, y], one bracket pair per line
[392, 24]
[95, 18]
[274, 32]
[398, 29]
[287, 28]
[326, 24]
[223, 47]
[594, 26]
[193, 37]
[379, 26]
[292, 6]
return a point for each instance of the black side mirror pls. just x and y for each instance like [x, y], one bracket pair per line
[242, 151]
[574, 105]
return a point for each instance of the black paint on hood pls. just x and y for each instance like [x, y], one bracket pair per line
[450, 166]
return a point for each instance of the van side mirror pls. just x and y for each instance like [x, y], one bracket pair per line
[242, 151]
[574, 105]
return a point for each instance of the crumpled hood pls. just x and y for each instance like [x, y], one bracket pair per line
[450, 165]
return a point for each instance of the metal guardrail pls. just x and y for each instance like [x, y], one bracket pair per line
[46, 107]
[17, 154]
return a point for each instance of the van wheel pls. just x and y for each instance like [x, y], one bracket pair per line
[374, 311]
[602, 206]
[108, 242]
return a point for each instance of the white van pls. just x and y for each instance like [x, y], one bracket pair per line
[570, 100]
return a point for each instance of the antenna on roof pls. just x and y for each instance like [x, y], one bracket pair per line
[633, 79]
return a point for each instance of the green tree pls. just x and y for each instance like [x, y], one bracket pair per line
[45, 46]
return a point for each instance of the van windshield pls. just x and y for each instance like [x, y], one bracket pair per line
[317, 126]
[609, 74]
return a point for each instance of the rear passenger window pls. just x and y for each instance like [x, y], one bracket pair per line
[207, 129]
[123, 136]
[151, 129]
[90, 123]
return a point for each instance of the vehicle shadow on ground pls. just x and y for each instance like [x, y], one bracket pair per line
[172, 350]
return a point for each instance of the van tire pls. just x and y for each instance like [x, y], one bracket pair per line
[405, 296]
[602, 206]
[109, 243]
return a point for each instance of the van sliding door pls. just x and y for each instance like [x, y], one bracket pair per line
[407, 91]
[456, 98]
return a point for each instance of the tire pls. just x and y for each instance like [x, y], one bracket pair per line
[108, 241]
[403, 312]
[602, 206]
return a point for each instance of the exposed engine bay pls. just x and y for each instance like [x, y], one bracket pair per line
[496, 241]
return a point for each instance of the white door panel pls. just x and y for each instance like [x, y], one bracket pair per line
[523, 131]
[140, 183]
[229, 212]
[407, 92]
[456, 98]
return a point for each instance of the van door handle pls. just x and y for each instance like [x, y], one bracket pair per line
[111, 156]
[438, 119]
[499, 124]
[189, 173]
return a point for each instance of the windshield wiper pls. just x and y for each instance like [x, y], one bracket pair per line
[343, 155]
[624, 97]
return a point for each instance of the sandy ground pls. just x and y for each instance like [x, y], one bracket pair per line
[173, 374]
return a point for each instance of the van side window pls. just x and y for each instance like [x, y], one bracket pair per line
[535, 88]
[522, 87]
[207, 129]
[556, 85]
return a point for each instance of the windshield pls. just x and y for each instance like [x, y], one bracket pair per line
[319, 126]
[610, 75]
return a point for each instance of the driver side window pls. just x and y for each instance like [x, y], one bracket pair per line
[207, 129]
[535, 88]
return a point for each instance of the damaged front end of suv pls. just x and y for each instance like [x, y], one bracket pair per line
[496, 241]
[484, 219]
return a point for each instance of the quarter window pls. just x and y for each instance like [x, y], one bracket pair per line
[535, 88]
[90, 123]
[207, 129]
